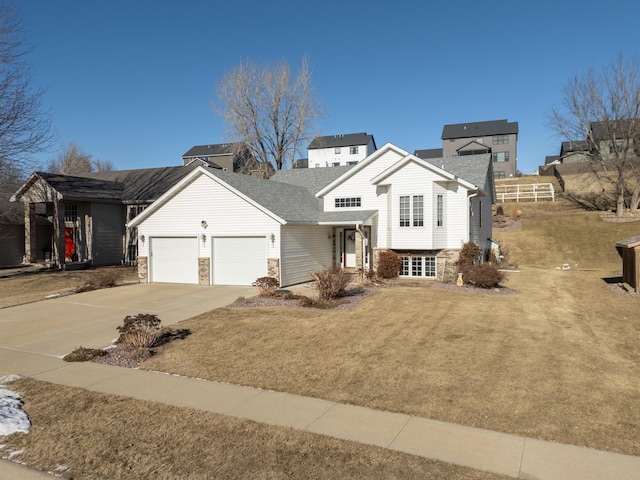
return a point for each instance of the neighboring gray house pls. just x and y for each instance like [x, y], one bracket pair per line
[12, 248]
[497, 137]
[340, 150]
[217, 227]
[89, 212]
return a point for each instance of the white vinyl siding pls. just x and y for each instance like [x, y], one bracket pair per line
[225, 213]
[360, 184]
[305, 249]
[239, 260]
[173, 259]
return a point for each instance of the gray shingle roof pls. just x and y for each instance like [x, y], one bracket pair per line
[345, 140]
[206, 150]
[143, 185]
[479, 129]
[80, 188]
[313, 179]
[601, 130]
[429, 153]
[292, 203]
[471, 168]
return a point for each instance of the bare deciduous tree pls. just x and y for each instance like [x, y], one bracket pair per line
[24, 128]
[103, 165]
[72, 160]
[603, 108]
[268, 109]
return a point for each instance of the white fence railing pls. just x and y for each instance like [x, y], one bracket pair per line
[534, 191]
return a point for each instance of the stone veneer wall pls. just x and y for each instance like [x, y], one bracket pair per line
[444, 261]
[143, 269]
[204, 270]
[273, 267]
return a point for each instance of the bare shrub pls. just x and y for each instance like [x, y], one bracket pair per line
[101, 278]
[515, 212]
[82, 354]
[389, 264]
[500, 210]
[331, 283]
[484, 275]
[468, 256]
[267, 286]
[140, 331]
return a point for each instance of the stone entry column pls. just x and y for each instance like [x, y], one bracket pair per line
[30, 226]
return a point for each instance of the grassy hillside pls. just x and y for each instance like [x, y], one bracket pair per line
[555, 233]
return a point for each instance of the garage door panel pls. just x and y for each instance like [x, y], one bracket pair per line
[174, 259]
[239, 260]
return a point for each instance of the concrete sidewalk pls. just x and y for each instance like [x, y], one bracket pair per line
[34, 337]
[511, 455]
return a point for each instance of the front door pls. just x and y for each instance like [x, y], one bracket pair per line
[349, 249]
[69, 244]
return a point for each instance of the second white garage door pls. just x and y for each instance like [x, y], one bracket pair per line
[174, 259]
[239, 260]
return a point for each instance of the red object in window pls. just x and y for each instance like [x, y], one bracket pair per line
[69, 243]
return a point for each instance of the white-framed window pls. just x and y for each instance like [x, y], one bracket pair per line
[480, 139]
[411, 209]
[353, 150]
[352, 162]
[70, 213]
[346, 202]
[418, 211]
[405, 211]
[439, 210]
[336, 150]
[500, 140]
[501, 157]
[418, 266]
[335, 164]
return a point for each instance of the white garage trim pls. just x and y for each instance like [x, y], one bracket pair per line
[173, 259]
[239, 260]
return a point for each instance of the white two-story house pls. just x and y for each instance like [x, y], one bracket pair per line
[340, 150]
[217, 227]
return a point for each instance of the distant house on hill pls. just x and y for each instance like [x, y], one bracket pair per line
[231, 157]
[340, 150]
[499, 138]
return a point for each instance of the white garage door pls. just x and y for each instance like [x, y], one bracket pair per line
[239, 260]
[174, 259]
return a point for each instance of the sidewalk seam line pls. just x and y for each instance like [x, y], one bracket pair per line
[399, 432]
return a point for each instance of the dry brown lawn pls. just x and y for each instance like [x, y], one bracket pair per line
[559, 359]
[99, 436]
[36, 286]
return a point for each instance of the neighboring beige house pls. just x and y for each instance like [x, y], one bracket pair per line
[217, 227]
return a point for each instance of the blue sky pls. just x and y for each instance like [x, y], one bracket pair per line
[133, 81]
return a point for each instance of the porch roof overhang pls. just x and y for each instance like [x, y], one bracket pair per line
[355, 217]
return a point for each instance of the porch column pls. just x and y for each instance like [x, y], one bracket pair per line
[58, 234]
[30, 253]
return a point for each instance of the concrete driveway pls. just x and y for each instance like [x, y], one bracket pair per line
[55, 327]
